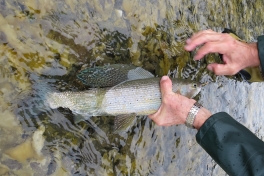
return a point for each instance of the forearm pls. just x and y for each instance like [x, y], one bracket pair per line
[235, 148]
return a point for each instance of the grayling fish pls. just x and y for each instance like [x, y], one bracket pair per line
[137, 97]
[141, 97]
[137, 94]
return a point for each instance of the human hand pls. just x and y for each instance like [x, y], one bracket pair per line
[237, 55]
[175, 107]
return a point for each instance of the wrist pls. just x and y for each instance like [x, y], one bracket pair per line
[188, 107]
[254, 55]
[192, 114]
[196, 116]
[202, 115]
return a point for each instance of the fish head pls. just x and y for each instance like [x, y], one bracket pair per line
[189, 88]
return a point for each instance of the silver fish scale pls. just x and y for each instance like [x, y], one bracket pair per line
[85, 103]
[141, 97]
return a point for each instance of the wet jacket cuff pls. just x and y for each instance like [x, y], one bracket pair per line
[261, 53]
[235, 148]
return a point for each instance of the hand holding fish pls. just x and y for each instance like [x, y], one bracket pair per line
[175, 107]
[237, 54]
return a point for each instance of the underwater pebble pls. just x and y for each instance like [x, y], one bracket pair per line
[3, 170]
[12, 164]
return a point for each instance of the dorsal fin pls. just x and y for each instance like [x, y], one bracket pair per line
[139, 73]
[111, 75]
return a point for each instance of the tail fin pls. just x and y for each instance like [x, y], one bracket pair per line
[33, 99]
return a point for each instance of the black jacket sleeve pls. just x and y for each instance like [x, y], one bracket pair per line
[235, 148]
[260, 45]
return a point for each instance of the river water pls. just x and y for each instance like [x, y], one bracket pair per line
[47, 42]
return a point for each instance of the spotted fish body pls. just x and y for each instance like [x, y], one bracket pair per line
[140, 97]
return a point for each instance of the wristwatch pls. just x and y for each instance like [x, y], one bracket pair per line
[192, 114]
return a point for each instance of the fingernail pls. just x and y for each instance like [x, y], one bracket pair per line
[188, 41]
[187, 47]
[209, 67]
[164, 78]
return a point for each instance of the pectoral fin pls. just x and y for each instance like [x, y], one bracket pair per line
[178, 91]
[124, 122]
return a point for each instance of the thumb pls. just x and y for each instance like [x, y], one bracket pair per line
[165, 85]
[165, 88]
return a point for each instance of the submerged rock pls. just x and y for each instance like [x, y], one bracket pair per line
[29, 149]
[3, 170]
[12, 164]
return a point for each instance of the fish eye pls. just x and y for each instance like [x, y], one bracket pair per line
[194, 85]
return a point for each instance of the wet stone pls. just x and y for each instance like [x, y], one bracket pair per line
[68, 164]
[3, 38]
[12, 164]
[37, 168]
[52, 167]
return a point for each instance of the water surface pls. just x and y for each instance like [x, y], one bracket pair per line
[45, 43]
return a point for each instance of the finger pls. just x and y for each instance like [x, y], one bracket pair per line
[165, 85]
[221, 69]
[204, 38]
[211, 47]
[196, 35]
